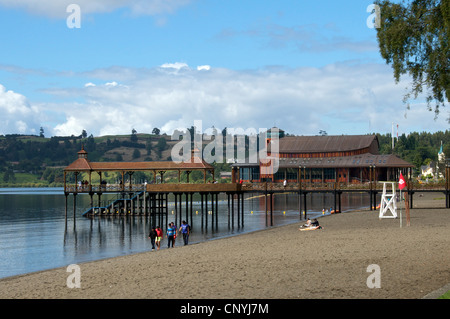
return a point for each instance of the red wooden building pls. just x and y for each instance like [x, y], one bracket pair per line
[322, 159]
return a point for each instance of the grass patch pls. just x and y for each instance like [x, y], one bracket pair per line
[445, 296]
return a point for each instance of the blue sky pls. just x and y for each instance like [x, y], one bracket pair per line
[303, 66]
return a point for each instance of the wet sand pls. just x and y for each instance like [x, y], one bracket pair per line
[277, 263]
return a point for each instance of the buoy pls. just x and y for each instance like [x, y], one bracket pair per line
[251, 212]
[284, 213]
[196, 212]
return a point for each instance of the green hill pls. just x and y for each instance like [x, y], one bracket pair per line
[28, 160]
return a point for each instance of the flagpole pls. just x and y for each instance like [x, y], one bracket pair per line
[401, 185]
[400, 208]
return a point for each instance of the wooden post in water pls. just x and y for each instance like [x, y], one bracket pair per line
[232, 210]
[99, 201]
[228, 203]
[176, 211]
[206, 209]
[181, 205]
[192, 195]
[201, 208]
[187, 207]
[212, 211]
[304, 204]
[74, 208]
[66, 196]
[238, 210]
[242, 209]
[217, 210]
[271, 209]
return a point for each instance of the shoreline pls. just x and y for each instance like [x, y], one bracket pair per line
[276, 263]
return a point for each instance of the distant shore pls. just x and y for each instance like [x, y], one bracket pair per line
[277, 263]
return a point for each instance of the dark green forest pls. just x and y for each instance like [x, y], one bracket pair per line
[416, 148]
[39, 161]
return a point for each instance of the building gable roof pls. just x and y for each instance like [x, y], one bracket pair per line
[323, 144]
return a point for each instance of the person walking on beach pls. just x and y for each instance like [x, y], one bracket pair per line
[185, 230]
[175, 232]
[169, 235]
[159, 234]
[152, 237]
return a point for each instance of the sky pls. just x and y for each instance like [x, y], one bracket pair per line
[111, 66]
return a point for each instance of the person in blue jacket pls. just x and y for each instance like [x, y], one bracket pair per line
[185, 230]
[170, 235]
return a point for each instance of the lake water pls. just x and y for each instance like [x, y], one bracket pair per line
[35, 235]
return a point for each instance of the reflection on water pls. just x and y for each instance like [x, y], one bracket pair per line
[35, 234]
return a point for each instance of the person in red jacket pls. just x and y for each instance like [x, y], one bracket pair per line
[159, 234]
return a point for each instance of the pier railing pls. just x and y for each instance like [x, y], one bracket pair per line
[341, 186]
[109, 188]
[257, 187]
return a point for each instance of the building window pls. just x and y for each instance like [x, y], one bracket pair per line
[292, 174]
[329, 173]
[255, 173]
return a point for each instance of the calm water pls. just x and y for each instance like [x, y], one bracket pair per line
[34, 234]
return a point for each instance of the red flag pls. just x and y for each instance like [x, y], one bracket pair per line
[401, 182]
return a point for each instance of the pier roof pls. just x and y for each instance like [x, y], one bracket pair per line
[85, 165]
[82, 164]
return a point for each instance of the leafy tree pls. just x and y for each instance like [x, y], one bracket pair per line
[156, 131]
[9, 176]
[148, 147]
[41, 132]
[134, 137]
[84, 134]
[136, 153]
[414, 38]
[161, 146]
[446, 150]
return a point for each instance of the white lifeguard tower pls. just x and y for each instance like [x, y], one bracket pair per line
[388, 201]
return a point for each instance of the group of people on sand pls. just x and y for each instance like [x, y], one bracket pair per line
[156, 235]
[311, 225]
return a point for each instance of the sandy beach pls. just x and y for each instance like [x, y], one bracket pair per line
[277, 263]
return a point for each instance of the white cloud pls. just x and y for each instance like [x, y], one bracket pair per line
[17, 115]
[339, 98]
[57, 9]
[114, 83]
[204, 67]
[175, 66]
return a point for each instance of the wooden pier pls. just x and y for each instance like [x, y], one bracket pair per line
[151, 199]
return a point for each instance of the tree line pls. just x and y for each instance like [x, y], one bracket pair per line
[45, 158]
[416, 148]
